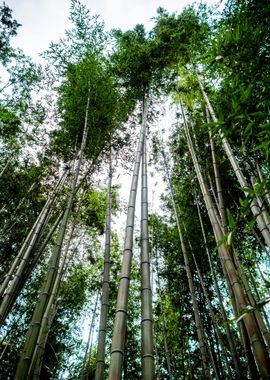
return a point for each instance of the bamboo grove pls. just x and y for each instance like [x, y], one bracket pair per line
[182, 292]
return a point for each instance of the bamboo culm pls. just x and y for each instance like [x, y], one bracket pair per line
[147, 344]
[100, 361]
[19, 285]
[164, 333]
[213, 317]
[221, 205]
[199, 326]
[33, 332]
[256, 340]
[23, 273]
[238, 172]
[87, 354]
[21, 260]
[119, 330]
[222, 308]
[48, 317]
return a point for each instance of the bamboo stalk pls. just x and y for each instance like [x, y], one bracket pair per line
[249, 294]
[48, 316]
[199, 326]
[213, 317]
[21, 259]
[47, 286]
[100, 361]
[164, 333]
[147, 345]
[267, 195]
[217, 175]
[88, 350]
[222, 308]
[260, 351]
[119, 330]
[238, 172]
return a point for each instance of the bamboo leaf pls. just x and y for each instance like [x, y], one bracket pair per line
[249, 309]
[229, 239]
[231, 220]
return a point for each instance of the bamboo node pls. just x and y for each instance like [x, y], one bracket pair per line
[121, 310]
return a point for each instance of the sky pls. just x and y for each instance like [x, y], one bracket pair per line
[45, 20]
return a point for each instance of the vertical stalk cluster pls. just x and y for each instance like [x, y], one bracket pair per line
[26, 258]
[254, 333]
[164, 332]
[88, 351]
[48, 285]
[262, 216]
[119, 330]
[100, 361]
[228, 330]
[198, 321]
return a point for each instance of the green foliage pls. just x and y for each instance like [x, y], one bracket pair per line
[21, 76]
[87, 34]
[144, 61]
[9, 125]
[93, 209]
[17, 216]
[179, 36]
[89, 78]
[241, 44]
[8, 29]
[133, 61]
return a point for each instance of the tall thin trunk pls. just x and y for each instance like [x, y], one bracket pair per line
[199, 326]
[119, 330]
[147, 345]
[250, 275]
[260, 201]
[47, 286]
[48, 317]
[213, 317]
[87, 354]
[100, 361]
[216, 204]
[212, 356]
[6, 165]
[217, 370]
[267, 195]
[23, 272]
[164, 333]
[22, 277]
[256, 340]
[222, 308]
[253, 370]
[250, 297]
[22, 258]
[224, 223]
[217, 175]
[238, 172]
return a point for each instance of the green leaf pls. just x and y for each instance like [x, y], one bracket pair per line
[229, 239]
[249, 309]
[231, 220]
